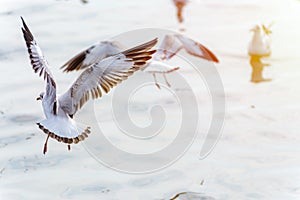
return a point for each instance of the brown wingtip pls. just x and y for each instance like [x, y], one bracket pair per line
[22, 20]
[75, 64]
[212, 56]
[25, 27]
[141, 54]
[142, 47]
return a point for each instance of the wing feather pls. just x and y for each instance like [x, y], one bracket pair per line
[196, 49]
[168, 48]
[40, 66]
[90, 56]
[104, 75]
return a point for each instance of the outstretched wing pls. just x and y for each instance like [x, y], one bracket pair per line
[196, 49]
[90, 56]
[40, 66]
[168, 48]
[103, 76]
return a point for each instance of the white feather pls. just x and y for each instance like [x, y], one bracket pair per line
[99, 52]
[260, 43]
[63, 126]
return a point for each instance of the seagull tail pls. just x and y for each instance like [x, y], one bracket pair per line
[64, 130]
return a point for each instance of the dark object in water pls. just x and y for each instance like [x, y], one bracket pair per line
[191, 196]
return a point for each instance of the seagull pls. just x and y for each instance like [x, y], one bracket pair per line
[179, 5]
[260, 44]
[95, 80]
[169, 47]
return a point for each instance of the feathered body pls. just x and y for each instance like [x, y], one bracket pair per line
[260, 44]
[95, 80]
[169, 47]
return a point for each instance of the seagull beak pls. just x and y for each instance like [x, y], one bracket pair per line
[39, 98]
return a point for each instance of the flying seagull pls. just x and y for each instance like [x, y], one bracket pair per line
[179, 5]
[94, 80]
[169, 47]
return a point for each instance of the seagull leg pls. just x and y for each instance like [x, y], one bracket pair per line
[45, 145]
[179, 6]
[69, 147]
[168, 84]
[156, 83]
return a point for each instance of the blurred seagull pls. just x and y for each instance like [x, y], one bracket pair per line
[260, 44]
[168, 48]
[179, 5]
[97, 78]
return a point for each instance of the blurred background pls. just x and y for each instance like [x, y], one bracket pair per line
[257, 156]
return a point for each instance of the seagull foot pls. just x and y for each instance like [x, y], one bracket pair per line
[155, 80]
[45, 149]
[157, 85]
[168, 84]
[69, 147]
[45, 145]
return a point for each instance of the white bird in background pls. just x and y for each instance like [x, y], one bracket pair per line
[169, 47]
[97, 78]
[260, 44]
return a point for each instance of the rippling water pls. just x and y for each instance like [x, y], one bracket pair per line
[258, 154]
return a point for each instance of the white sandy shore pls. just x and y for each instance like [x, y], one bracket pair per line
[257, 156]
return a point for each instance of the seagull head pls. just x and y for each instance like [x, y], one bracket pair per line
[40, 97]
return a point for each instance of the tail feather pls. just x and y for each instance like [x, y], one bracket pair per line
[68, 133]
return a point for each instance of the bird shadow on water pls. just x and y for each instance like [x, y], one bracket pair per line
[97, 189]
[34, 162]
[191, 196]
[15, 139]
[82, 1]
[25, 118]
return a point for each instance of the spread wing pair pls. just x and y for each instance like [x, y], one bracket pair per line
[168, 48]
[96, 79]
